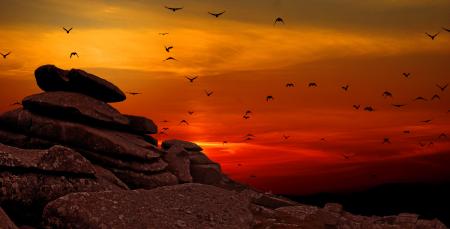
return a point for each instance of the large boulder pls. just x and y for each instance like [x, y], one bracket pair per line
[79, 136]
[180, 206]
[51, 78]
[179, 164]
[31, 178]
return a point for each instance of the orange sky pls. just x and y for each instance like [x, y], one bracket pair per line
[243, 58]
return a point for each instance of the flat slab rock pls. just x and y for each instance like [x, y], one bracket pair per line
[179, 206]
[51, 78]
[56, 159]
[79, 136]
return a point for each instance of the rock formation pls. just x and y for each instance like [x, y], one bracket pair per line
[68, 160]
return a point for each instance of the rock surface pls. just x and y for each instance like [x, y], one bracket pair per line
[137, 180]
[5, 221]
[141, 125]
[186, 145]
[179, 164]
[51, 78]
[179, 206]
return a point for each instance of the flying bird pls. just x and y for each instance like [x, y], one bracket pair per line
[165, 121]
[208, 93]
[248, 139]
[435, 97]
[312, 84]
[184, 122]
[67, 30]
[165, 128]
[74, 54]
[347, 156]
[432, 36]
[426, 121]
[398, 105]
[134, 93]
[386, 141]
[191, 79]
[420, 98]
[345, 87]
[442, 87]
[190, 112]
[369, 109]
[168, 48]
[269, 97]
[170, 58]
[217, 14]
[245, 117]
[224, 142]
[387, 94]
[356, 107]
[174, 8]
[250, 136]
[163, 34]
[445, 29]
[286, 137]
[443, 136]
[422, 144]
[248, 112]
[406, 74]
[406, 131]
[5, 55]
[290, 85]
[278, 20]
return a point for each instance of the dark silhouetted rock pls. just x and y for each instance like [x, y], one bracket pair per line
[186, 145]
[136, 180]
[141, 125]
[23, 141]
[153, 165]
[5, 221]
[56, 159]
[78, 136]
[74, 106]
[51, 78]
[180, 206]
[178, 160]
[206, 174]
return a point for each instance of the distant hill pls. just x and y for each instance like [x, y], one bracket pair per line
[428, 200]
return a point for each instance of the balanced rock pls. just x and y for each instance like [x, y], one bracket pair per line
[78, 136]
[51, 78]
[179, 206]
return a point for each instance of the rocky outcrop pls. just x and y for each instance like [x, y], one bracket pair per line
[69, 151]
[51, 78]
[180, 206]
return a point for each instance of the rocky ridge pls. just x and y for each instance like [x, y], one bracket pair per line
[68, 159]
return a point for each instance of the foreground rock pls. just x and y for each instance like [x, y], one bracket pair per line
[31, 178]
[179, 206]
[51, 78]
[5, 221]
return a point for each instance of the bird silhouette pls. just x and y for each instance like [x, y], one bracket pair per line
[369, 109]
[426, 121]
[74, 54]
[435, 97]
[165, 121]
[290, 85]
[191, 79]
[224, 142]
[431, 144]
[323, 139]
[67, 30]
[312, 84]
[248, 112]
[345, 87]
[422, 144]
[163, 34]
[134, 93]
[398, 105]
[174, 8]
[190, 112]
[165, 128]
[208, 93]
[420, 98]
[5, 55]
[217, 14]
[406, 131]
[269, 97]
[248, 139]
[348, 156]
[239, 164]
[406, 74]
[432, 36]
[386, 141]
[278, 20]
[442, 88]
[184, 122]
[170, 58]
[16, 104]
[286, 137]
[443, 136]
[245, 117]
[445, 29]
[168, 48]
[249, 136]
[356, 106]
[387, 94]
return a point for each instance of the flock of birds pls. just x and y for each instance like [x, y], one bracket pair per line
[269, 98]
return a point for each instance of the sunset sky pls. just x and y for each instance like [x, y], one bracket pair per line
[243, 57]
